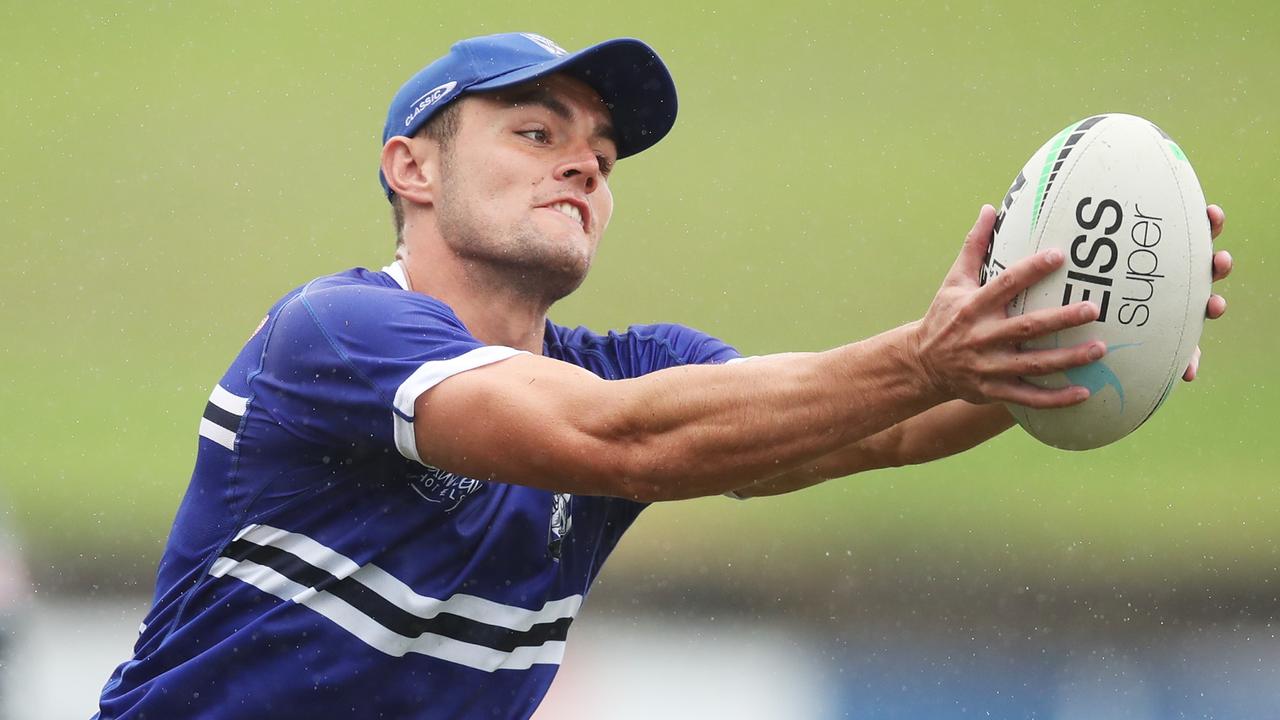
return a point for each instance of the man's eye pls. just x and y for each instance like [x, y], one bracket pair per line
[605, 163]
[538, 136]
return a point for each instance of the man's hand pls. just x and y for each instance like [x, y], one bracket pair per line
[1222, 264]
[969, 347]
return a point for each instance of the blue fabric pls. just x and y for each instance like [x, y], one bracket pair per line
[272, 595]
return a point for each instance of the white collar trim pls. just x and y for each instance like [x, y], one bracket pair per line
[396, 271]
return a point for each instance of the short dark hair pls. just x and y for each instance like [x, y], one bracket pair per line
[442, 129]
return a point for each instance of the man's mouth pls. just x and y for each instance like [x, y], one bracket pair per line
[569, 210]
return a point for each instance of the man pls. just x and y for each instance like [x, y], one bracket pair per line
[408, 479]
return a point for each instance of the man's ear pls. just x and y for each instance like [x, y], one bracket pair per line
[409, 167]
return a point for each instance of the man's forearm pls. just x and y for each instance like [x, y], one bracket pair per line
[677, 433]
[939, 432]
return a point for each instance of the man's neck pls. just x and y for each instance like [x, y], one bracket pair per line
[492, 311]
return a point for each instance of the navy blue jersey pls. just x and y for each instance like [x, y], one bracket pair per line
[317, 568]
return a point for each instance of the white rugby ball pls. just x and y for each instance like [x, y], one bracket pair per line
[1120, 199]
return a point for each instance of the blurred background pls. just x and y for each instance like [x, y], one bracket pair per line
[170, 169]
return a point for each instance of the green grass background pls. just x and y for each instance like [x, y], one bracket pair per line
[169, 169]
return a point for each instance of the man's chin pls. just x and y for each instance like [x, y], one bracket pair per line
[549, 278]
[561, 282]
[546, 263]
[559, 264]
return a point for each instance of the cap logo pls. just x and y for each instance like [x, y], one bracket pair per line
[432, 97]
[545, 44]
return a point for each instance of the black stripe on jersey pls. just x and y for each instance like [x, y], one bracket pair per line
[221, 418]
[392, 616]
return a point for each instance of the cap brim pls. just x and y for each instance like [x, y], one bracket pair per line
[629, 77]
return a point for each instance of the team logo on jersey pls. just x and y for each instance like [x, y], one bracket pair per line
[444, 488]
[561, 523]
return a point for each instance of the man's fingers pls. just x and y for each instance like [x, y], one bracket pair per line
[1216, 308]
[1222, 264]
[1020, 276]
[1193, 368]
[965, 269]
[1034, 363]
[1040, 323]
[1216, 220]
[1024, 393]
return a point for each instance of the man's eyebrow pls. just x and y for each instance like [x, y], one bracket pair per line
[541, 96]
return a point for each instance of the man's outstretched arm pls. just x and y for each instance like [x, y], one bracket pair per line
[703, 430]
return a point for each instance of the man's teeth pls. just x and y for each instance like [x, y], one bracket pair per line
[568, 209]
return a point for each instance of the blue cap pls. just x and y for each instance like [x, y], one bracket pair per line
[627, 74]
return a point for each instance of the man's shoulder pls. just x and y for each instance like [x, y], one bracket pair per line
[638, 350]
[360, 285]
[352, 281]
[359, 317]
[653, 333]
[360, 296]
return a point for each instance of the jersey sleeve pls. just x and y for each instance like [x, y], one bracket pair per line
[695, 347]
[344, 364]
[641, 350]
[657, 347]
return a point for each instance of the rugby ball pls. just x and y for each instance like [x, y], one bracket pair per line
[1120, 199]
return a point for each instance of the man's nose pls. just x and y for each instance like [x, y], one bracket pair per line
[582, 168]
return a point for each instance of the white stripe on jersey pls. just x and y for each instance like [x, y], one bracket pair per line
[396, 592]
[233, 404]
[379, 637]
[427, 376]
[214, 425]
[218, 434]
[467, 606]
[331, 561]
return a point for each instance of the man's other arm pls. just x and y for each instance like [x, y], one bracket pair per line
[941, 431]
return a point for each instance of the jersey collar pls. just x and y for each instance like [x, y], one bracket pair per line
[396, 271]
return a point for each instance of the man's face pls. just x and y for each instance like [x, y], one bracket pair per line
[523, 185]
